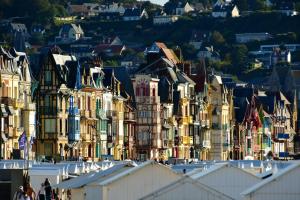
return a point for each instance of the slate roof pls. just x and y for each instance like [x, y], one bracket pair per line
[19, 27]
[121, 73]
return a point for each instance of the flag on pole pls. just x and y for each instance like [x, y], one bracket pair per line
[22, 141]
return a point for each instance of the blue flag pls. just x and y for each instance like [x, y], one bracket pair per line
[22, 141]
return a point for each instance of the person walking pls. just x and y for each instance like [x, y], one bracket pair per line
[48, 189]
[19, 195]
[30, 192]
[41, 193]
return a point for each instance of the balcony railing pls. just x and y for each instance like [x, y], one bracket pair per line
[206, 144]
[148, 99]
[129, 116]
[6, 100]
[100, 113]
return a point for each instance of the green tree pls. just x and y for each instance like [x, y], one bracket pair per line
[239, 57]
[242, 4]
[217, 39]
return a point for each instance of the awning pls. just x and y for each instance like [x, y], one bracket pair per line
[3, 112]
[10, 110]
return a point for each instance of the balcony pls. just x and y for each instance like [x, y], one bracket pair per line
[6, 100]
[93, 113]
[18, 103]
[100, 113]
[129, 116]
[148, 99]
[206, 144]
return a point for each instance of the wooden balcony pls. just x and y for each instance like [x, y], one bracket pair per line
[6, 100]
[129, 116]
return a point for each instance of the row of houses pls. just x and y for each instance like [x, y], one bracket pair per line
[167, 108]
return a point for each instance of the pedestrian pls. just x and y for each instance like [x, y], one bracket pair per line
[30, 192]
[19, 195]
[48, 189]
[41, 193]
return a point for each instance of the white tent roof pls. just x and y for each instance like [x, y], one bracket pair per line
[204, 190]
[271, 179]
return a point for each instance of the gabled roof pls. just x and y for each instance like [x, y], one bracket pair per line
[66, 28]
[276, 177]
[127, 172]
[19, 27]
[187, 180]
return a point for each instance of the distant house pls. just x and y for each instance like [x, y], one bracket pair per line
[70, 33]
[286, 8]
[198, 38]
[112, 8]
[250, 37]
[38, 29]
[178, 9]
[134, 14]
[280, 55]
[110, 16]
[110, 47]
[183, 8]
[164, 19]
[78, 10]
[17, 27]
[209, 53]
[225, 10]
[93, 8]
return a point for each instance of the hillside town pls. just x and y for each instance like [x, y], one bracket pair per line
[96, 95]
